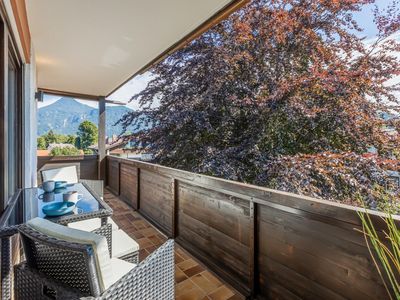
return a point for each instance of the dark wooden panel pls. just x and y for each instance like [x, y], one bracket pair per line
[157, 199]
[335, 213]
[313, 260]
[128, 184]
[89, 168]
[293, 247]
[87, 165]
[229, 215]
[113, 176]
[218, 227]
[341, 247]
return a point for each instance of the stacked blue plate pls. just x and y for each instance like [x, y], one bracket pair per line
[60, 184]
[58, 208]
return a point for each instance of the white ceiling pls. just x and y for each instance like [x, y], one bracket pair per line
[92, 46]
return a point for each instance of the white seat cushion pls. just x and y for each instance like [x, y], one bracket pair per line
[68, 174]
[97, 242]
[122, 244]
[92, 224]
[119, 268]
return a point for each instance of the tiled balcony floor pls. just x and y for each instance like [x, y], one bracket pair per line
[192, 280]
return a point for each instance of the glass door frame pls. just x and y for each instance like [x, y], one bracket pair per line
[10, 132]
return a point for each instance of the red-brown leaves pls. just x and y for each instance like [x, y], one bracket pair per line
[279, 78]
[345, 177]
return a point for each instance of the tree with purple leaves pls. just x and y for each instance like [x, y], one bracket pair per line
[277, 81]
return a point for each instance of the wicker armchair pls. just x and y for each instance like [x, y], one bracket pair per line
[57, 269]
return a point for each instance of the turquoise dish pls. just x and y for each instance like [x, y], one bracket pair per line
[58, 208]
[60, 184]
[59, 191]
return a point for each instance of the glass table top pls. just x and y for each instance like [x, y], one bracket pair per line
[29, 204]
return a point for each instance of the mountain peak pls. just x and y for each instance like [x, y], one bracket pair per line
[67, 101]
[65, 115]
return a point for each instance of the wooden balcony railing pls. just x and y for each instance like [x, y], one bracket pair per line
[263, 242]
[86, 165]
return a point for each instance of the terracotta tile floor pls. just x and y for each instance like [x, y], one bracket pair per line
[192, 280]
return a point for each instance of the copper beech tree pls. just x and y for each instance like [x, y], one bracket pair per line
[277, 81]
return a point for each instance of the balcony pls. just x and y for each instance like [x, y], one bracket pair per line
[262, 242]
[257, 242]
[193, 280]
[233, 240]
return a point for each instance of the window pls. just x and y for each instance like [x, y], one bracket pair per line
[13, 125]
[11, 116]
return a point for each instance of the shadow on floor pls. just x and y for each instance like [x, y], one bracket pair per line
[192, 280]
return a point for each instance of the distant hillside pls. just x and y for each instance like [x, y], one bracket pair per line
[65, 115]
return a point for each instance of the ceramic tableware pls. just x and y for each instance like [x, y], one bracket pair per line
[60, 184]
[58, 208]
[48, 186]
[47, 197]
[70, 196]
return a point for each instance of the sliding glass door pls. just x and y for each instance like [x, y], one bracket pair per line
[11, 144]
[13, 124]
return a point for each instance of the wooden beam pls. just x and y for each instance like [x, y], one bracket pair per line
[78, 95]
[21, 20]
[222, 14]
[69, 94]
[102, 137]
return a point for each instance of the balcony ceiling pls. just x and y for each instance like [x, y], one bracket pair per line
[92, 46]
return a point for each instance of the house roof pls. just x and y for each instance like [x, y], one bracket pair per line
[43, 152]
[91, 47]
[114, 145]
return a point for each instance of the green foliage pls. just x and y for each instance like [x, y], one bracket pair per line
[87, 135]
[65, 151]
[70, 139]
[88, 151]
[41, 143]
[50, 138]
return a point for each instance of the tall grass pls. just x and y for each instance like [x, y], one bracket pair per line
[384, 249]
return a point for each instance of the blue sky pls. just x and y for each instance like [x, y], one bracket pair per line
[364, 18]
[123, 94]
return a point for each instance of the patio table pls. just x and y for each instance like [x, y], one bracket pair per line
[28, 203]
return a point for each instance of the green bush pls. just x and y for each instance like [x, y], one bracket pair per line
[50, 137]
[65, 151]
[41, 143]
[88, 152]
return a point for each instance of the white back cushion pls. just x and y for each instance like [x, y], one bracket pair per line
[98, 243]
[92, 224]
[68, 174]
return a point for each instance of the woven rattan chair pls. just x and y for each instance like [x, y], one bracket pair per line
[60, 269]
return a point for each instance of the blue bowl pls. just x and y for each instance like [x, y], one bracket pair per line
[59, 191]
[58, 208]
[60, 184]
